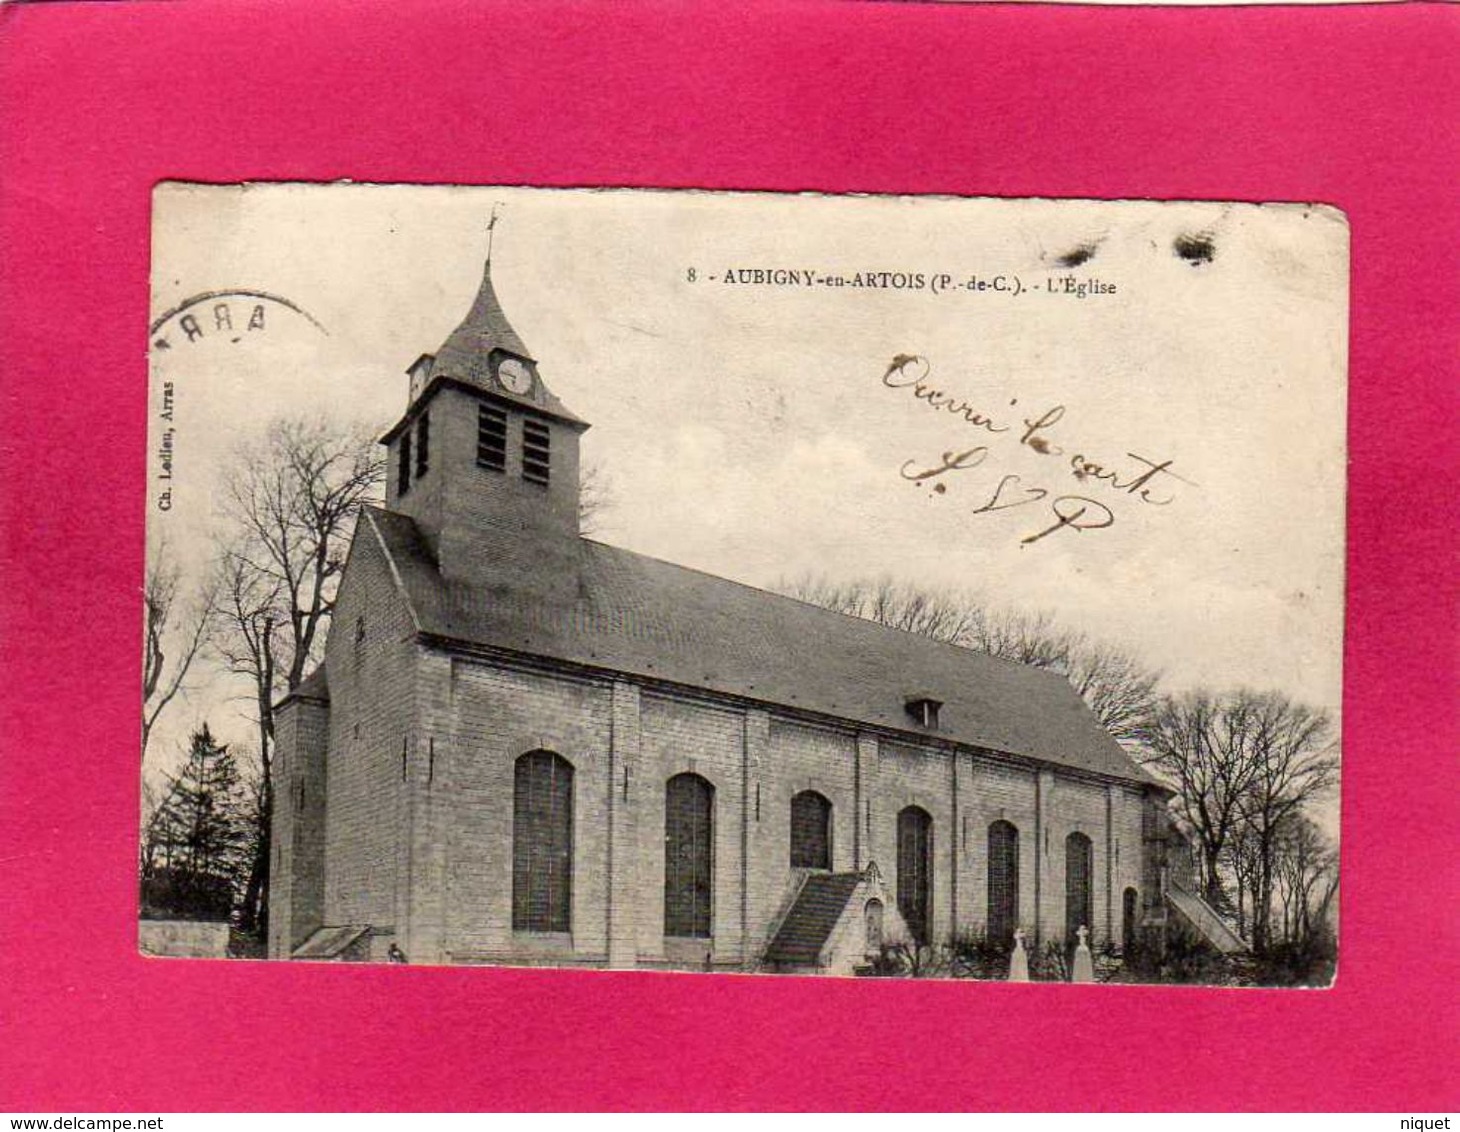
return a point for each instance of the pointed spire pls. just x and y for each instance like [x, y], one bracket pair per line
[467, 354]
[485, 328]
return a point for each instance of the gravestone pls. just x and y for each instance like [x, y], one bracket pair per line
[1018, 960]
[1084, 967]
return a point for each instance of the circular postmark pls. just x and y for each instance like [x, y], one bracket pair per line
[230, 315]
[184, 342]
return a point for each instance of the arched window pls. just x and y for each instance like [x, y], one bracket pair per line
[1003, 882]
[542, 843]
[915, 870]
[872, 915]
[689, 831]
[1129, 911]
[1079, 869]
[810, 831]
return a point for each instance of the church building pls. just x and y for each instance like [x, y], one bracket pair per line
[525, 746]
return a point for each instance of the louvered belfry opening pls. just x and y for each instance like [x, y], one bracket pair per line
[1079, 869]
[689, 815]
[423, 444]
[491, 438]
[1003, 882]
[536, 452]
[403, 468]
[542, 843]
[915, 870]
[810, 831]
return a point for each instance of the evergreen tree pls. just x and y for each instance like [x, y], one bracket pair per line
[196, 849]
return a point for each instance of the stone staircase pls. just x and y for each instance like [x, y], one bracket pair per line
[1204, 920]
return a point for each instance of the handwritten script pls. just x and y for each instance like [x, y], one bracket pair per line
[1101, 484]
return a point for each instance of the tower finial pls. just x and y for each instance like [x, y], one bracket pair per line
[491, 224]
[467, 354]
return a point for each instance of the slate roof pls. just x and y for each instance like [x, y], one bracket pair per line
[465, 356]
[644, 617]
[484, 329]
[809, 923]
[315, 686]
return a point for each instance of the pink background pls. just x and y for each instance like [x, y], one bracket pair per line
[1356, 107]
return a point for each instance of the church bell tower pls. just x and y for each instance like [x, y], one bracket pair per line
[485, 460]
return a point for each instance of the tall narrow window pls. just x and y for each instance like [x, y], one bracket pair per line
[872, 917]
[403, 481]
[542, 843]
[1079, 868]
[1003, 882]
[535, 454]
[1129, 911]
[810, 831]
[915, 870]
[689, 816]
[491, 438]
[423, 444]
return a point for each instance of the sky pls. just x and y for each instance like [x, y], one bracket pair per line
[761, 427]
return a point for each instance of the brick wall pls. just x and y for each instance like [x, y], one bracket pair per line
[470, 514]
[185, 939]
[916, 776]
[678, 737]
[370, 657]
[991, 791]
[1074, 806]
[425, 496]
[625, 905]
[1128, 865]
[798, 757]
[483, 717]
[297, 871]
[625, 742]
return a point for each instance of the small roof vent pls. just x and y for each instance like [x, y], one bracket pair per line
[924, 710]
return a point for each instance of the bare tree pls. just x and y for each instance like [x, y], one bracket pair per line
[905, 956]
[950, 618]
[1245, 766]
[291, 506]
[1305, 865]
[1295, 762]
[152, 796]
[595, 498]
[1244, 864]
[175, 630]
[1202, 745]
[1117, 686]
[1029, 638]
[1324, 916]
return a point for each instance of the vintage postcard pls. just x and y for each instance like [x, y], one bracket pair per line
[881, 586]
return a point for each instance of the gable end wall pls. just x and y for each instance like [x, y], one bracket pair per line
[372, 685]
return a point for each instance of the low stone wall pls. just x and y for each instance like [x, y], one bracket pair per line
[188, 939]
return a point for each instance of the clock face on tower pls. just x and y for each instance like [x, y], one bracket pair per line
[515, 376]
